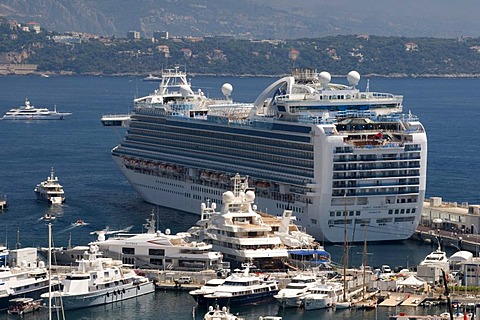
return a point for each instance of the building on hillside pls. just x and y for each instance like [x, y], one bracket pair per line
[133, 35]
[157, 35]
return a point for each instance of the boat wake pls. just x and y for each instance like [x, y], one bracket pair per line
[108, 231]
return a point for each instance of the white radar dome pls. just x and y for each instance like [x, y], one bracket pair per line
[167, 231]
[250, 196]
[185, 91]
[228, 197]
[227, 89]
[353, 78]
[324, 77]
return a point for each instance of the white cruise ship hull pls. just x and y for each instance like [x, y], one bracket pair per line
[167, 191]
[101, 297]
[343, 160]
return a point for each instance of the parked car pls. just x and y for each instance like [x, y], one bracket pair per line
[184, 280]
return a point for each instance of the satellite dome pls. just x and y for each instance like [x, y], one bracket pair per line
[185, 91]
[353, 78]
[167, 231]
[227, 89]
[324, 77]
[250, 196]
[228, 197]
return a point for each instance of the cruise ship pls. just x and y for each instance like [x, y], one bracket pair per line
[338, 157]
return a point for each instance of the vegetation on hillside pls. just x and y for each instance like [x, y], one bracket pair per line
[388, 56]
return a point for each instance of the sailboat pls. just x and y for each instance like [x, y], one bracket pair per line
[367, 303]
[345, 303]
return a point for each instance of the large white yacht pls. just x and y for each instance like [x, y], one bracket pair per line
[239, 232]
[23, 280]
[323, 295]
[29, 112]
[50, 190]
[296, 288]
[98, 281]
[240, 288]
[321, 149]
[158, 250]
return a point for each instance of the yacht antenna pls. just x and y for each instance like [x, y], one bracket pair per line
[50, 271]
[18, 244]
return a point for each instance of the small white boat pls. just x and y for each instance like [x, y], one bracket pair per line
[23, 305]
[48, 217]
[79, 223]
[220, 314]
[50, 190]
[151, 77]
[29, 112]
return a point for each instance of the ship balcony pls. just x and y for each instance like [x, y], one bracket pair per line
[374, 192]
[376, 158]
[375, 175]
[376, 166]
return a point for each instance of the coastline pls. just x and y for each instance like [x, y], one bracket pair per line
[193, 74]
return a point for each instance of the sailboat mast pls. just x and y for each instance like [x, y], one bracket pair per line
[364, 258]
[49, 271]
[345, 250]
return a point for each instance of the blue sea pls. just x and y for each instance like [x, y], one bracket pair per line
[79, 150]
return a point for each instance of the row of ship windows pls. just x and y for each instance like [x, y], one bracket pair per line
[234, 149]
[279, 140]
[376, 174]
[372, 192]
[242, 247]
[294, 150]
[408, 147]
[380, 183]
[207, 190]
[156, 188]
[357, 213]
[289, 207]
[382, 157]
[378, 165]
[261, 171]
[293, 166]
[342, 222]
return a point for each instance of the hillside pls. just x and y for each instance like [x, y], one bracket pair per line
[369, 55]
[250, 19]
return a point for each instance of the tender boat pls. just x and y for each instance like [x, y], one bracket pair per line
[240, 288]
[48, 217]
[50, 190]
[151, 77]
[29, 112]
[79, 223]
[98, 281]
[21, 306]
[220, 314]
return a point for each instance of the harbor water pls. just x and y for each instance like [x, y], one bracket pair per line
[79, 150]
